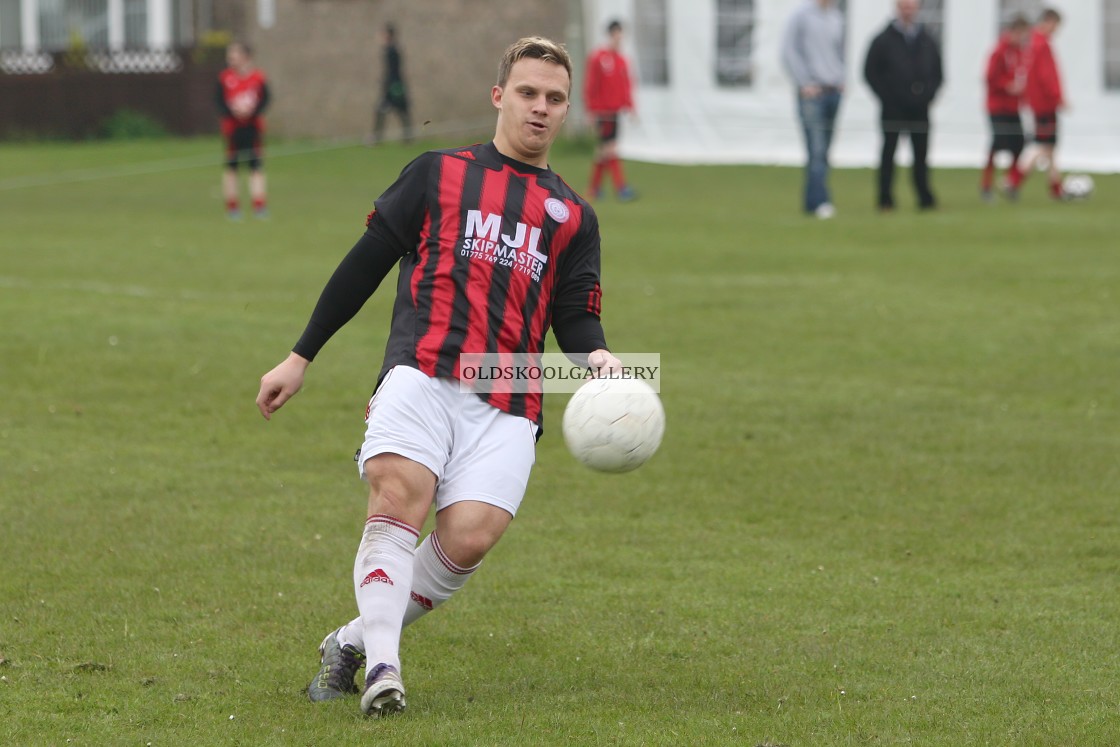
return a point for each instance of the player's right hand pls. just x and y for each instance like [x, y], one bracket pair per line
[280, 384]
[602, 362]
[242, 108]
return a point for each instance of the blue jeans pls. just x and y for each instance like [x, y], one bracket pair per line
[818, 120]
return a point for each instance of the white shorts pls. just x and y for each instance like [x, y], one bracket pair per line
[476, 451]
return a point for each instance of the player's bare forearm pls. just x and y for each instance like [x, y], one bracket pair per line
[281, 384]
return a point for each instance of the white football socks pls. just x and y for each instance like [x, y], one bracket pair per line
[382, 580]
[434, 579]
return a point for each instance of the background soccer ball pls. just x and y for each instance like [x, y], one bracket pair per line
[614, 425]
[1077, 186]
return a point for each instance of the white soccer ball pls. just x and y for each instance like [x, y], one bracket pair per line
[1077, 186]
[613, 424]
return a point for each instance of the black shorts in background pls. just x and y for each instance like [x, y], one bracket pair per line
[244, 146]
[606, 127]
[1046, 128]
[1007, 133]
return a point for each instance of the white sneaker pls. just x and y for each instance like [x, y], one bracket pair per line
[384, 692]
[825, 211]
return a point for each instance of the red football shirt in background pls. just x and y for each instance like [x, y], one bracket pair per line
[1006, 66]
[242, 93]
[607, 88]
[1044, 86]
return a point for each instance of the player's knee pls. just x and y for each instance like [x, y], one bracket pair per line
[391, 500]
[398, 488]
[467, 547]
[468, 530]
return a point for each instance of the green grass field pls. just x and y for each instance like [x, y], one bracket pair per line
[885, 511]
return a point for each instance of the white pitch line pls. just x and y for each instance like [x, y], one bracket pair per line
[729, 281]
[187, 294]
[196, 162]
[140, 291]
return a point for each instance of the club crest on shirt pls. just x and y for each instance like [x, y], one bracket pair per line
[557, 210]
[484, 241]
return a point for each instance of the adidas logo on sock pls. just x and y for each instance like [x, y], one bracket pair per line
[379, 576]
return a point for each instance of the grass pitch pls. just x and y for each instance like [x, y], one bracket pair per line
[884, 511]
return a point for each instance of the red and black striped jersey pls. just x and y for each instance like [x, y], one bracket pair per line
[242, 99]
[500, 249]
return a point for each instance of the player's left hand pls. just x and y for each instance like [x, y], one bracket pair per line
[603, 363]
[281, 384]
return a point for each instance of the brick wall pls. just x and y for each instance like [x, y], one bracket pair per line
[324, 60]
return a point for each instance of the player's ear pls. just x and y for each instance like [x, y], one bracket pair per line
[496, 96]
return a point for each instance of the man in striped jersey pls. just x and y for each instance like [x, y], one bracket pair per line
[494, 249]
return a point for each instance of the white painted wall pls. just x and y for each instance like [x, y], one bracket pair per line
[695, 121]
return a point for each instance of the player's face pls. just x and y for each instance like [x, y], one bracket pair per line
[235, 56]
[531, 109]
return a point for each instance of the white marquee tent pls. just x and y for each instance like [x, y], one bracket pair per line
[712, 88]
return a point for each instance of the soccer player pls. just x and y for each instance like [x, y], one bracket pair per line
[1006, 79]
[813, 53]
[394, 94]
[903, 68]
[493, 249]
[1044, 95]
[242, 96]
[607, 94]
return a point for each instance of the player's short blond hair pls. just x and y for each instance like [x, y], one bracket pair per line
[534, 48]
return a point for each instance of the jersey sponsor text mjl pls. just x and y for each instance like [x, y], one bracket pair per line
[520, 251]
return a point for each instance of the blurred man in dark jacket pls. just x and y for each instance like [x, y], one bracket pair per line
[394, 92]
[903, 68]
